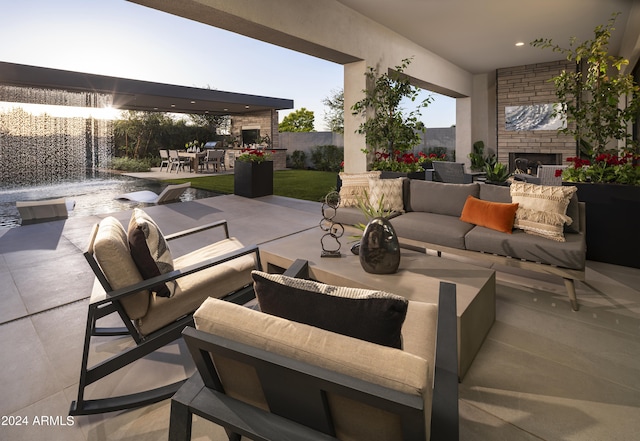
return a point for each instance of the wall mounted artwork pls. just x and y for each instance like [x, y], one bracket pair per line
[533, 117]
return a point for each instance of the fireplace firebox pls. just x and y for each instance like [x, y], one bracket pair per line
[532, 160]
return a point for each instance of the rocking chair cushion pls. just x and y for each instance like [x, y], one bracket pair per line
[192, 290]
[156, 242]
[111, 251]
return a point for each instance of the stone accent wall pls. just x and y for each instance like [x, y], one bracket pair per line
[266, 120]
[525, 85]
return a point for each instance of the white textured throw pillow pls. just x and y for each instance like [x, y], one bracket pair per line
[354, 186]
[391, 189]
[156, 242]
[542, 208]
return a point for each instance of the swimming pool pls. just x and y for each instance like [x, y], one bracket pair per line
[94, 195]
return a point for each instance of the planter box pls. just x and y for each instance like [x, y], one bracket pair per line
[253, 179]
[411, 175]
[613, 213]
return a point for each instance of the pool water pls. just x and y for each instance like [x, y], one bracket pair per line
[95, 195]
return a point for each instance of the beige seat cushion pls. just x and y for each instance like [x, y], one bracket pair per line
[389, 367]
[193, 289]
[111, 251]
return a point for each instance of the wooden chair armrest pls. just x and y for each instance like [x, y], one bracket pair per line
[179, 234]
[176, 274]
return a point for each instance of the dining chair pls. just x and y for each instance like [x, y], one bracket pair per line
[165, 161]
[176, 161]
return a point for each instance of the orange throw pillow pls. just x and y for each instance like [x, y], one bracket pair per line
[495, 215]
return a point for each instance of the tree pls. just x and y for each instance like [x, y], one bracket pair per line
[217, 124]
[386, 127]
[334, 117]
[298, 121]
[590, 96]
[139, 129]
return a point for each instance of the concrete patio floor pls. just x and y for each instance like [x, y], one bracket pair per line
[544, 372]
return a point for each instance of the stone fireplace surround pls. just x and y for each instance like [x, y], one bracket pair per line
[523, 86]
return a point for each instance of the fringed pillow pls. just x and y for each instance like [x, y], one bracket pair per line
[354, 186]
[542, 208]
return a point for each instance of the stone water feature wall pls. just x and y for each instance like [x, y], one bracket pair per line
[51, 136]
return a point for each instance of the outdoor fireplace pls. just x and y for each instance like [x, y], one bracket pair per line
[532, 160]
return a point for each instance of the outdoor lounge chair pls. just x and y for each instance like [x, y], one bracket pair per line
[44, 210]
[451, 172]
[169, 194]
[221, 269]
[267, 378]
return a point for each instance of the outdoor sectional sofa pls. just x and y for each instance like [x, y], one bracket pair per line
[429, 219]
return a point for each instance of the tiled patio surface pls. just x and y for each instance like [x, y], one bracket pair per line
[544, 373]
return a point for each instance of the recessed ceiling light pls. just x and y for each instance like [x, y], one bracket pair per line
[173, 105]
[520, 43]
[246, 107]
[193, 102]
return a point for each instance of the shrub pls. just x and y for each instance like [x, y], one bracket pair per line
[131, 165]
[298, 159]
[327, 157]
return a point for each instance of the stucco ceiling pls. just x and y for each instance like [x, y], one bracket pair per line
[480, 35]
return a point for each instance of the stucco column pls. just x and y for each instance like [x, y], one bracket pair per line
[354, 83]
[463, 130]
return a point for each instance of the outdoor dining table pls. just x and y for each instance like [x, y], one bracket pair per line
[194, 157]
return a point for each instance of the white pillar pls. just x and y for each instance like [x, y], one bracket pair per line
[354, 84]
[463, 130]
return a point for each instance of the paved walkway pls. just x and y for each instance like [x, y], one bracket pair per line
[544, 372]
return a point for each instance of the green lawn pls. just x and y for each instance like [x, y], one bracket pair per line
[309, 185]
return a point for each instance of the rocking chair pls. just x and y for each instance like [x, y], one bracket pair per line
[221, 269]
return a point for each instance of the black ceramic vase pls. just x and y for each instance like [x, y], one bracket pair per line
[379, 247]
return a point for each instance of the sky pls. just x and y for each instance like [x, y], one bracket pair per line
[123, 39]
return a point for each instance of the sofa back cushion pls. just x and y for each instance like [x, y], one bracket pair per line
[440, 198]
[388, 367]
[495, 193]
[111, 251]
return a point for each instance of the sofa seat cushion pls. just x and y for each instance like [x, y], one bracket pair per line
[352, 215]
[519, 245]
[388, 367]
[440, 198]
[380, 314]
[111, 251]
[437, 229]
[192, 290]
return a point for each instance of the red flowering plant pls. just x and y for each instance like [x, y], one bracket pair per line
[605, 167]
[404, 162]
[255, 155]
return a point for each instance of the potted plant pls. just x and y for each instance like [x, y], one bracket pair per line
[606, 176]
[388, 129]
[253, 174]
[497, 173]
